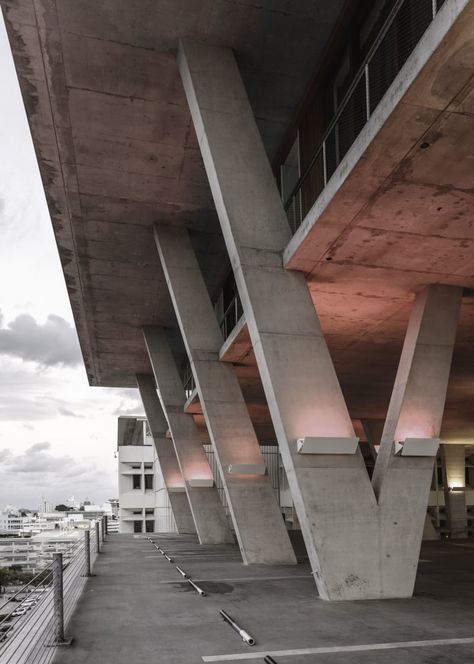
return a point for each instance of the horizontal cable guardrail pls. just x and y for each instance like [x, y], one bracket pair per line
[400, 33]
[31, 638]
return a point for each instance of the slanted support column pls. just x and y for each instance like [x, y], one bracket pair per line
[301, 387]
[208, 512]
[166, 454]
[454, 479]
[417, 403]
[256, 515]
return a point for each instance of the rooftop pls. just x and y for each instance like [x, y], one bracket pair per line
[139, 609]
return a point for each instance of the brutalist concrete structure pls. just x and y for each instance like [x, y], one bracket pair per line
[276, 198]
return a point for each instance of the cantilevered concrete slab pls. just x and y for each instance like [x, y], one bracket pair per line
[118, 153]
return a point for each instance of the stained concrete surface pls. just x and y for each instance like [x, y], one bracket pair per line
[138, 609]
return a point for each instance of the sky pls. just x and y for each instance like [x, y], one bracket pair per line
[57, 434]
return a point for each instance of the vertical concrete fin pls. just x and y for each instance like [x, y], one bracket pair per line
[255, 513]
[208, 512]
[166, 454]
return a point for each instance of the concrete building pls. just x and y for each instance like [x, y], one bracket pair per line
[34, 552]
[144, 506]
[275, 200]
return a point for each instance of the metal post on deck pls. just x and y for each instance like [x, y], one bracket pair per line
[102, 524]
[87, 553]
[58, 592]
[106, 523]
[97, 536]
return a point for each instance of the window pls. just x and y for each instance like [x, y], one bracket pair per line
[148, 481]
[137, 512]
[150, 526]
[136, 466]
[149, 510]
[148, 466]
[137, 527]
[137, 481]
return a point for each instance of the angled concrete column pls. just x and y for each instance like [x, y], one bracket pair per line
[454, 479]
[417, 403]
[208, 512]
[297, 373]
[256, 516]
[166, 454]
[359, 547]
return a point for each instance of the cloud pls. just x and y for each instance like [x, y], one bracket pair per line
[40, 461]
[52, 343]
[26, 476]
[67, 412]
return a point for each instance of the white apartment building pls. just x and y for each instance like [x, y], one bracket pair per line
[35, 552]
[10, 520]
[143, 499]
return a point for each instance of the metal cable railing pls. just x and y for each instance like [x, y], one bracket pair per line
[30, 629]
[231, 316]
[396, 40]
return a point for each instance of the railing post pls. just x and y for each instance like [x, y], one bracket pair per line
[97, 536]
[87, 552]
[102, 523]
[106, 523]
[325, 166]
[58, 591]
[367, 92]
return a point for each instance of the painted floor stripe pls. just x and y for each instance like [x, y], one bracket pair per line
[248, 578]
[336, 649]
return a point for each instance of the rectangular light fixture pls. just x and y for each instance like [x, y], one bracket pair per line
[329, 445]
[246, 469]
[176, 489]
[201, 483]
[418, 447]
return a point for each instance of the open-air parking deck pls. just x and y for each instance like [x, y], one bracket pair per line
[139, 609]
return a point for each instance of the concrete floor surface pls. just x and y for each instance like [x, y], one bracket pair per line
[138, 609]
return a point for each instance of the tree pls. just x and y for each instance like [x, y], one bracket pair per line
[61, 508]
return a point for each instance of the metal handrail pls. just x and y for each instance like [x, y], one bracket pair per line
[362, 72]
[234, 306]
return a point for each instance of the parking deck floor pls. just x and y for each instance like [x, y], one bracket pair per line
[139, 609]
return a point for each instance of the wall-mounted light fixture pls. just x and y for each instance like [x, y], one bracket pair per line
[201, 483]
[418, 447]
[246, 469]
[330, 445]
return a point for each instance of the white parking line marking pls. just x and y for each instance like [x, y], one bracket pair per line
[337, 649]
[248, 578]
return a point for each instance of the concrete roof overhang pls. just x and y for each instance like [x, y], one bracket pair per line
[117, 150]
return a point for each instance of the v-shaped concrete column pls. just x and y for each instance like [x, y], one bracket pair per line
[166, 454]
[208, 512]
[358, 547]
[256, 516]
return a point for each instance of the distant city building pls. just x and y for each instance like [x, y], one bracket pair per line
[144, 502]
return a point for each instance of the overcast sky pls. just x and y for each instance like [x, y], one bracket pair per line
[57, 434]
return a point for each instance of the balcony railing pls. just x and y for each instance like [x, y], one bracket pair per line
[188, 380]
[231, 316]
[400, 33]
